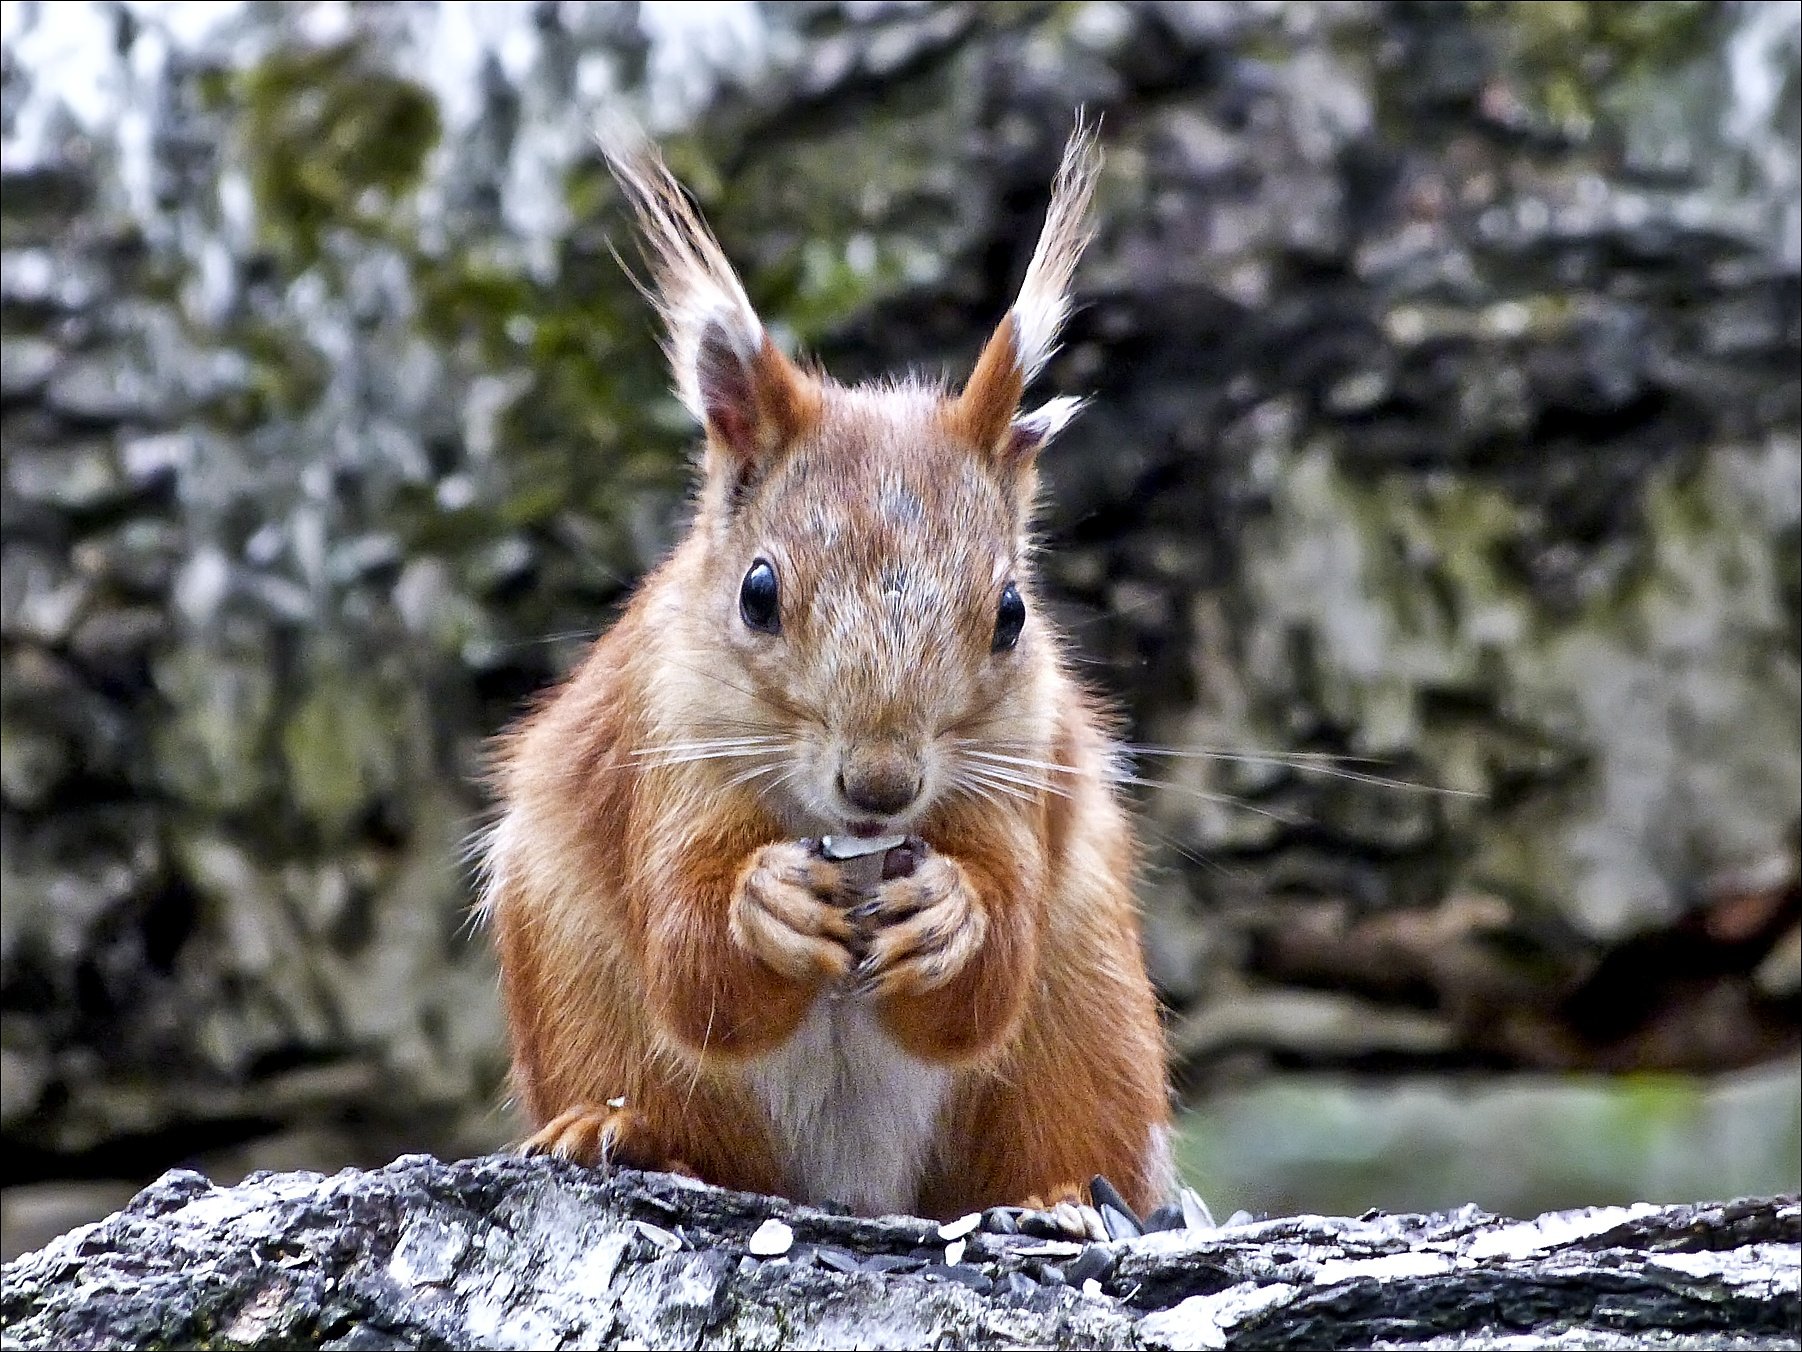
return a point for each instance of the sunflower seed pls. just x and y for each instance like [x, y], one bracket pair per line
[1118, 1224]
[1167, 1217]
[772, 1239]
[1042, 1224]
[1195, 1211]
[954, 1251]
[901, 861]
[662, 1238]
[1239, 1218]
[856, 847]
[960, 1227]
[1094, 1262]
[1051, 1248]
[1105, 1194]
[999, 1221]
[839, 1260]
[1069, 1218]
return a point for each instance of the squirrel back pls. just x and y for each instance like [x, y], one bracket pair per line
[846, 646]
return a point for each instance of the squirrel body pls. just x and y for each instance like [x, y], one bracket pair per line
[845, 641]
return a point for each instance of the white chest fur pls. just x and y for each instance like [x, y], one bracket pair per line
[853, 1115]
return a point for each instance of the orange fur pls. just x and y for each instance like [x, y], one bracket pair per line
[686, 983]
[984, 412]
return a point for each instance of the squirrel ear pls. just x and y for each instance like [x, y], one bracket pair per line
[985, 413]
[1030, 432]
[753, 400]
[729, 373]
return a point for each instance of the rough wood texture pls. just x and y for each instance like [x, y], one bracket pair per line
[507, 1252]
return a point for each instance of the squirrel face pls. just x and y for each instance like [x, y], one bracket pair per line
[870, 590]
[859, 608]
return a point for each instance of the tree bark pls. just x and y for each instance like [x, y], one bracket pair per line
[1443, 411]
[508, 1252]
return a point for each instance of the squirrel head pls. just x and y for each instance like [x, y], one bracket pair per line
[865, 641]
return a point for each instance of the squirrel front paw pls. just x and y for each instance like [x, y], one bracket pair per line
[601, 1137]
[789, 912]
[920, 929]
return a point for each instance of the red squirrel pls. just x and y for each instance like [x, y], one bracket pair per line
[847, 642]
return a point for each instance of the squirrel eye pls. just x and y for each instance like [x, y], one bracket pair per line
[758, 596]
[1010, 619]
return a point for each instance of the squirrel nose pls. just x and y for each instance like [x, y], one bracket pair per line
[879, 781]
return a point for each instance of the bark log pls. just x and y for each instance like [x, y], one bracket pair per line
[508, 1252]
[1444, 410]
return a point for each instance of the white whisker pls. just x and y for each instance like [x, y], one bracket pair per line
[1327, 764]
[998, 759]
[1230, 800]
[1022, 781]
[971, 789]
[1234, 753]
[1307, 763]
[690, 758]
[706, 744]
[755, 772]
[1014, 786]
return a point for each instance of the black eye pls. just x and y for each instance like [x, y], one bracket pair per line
[757, 598]
[1010, 619]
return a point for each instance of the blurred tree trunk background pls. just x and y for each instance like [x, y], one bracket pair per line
[1445, 414]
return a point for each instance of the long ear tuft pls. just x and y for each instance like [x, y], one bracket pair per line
[1044, 301]
[728, 371]
[1026, 338]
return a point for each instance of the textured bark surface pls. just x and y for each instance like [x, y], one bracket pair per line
[1443, 361]
[504, 1252]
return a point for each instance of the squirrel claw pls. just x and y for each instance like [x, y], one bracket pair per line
[864, 979]
[602, 1138]
[1067, 1215]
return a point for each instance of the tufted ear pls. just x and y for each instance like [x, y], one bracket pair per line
[752, 400]
[987, 413]
[1029, 433]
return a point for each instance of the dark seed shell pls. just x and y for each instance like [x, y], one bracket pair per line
[1167, 1217]
[1105, 1194]
[1195, 1211]
[901, 861]
[1040, 1225]
[1094, 1261]
[1118, 1224]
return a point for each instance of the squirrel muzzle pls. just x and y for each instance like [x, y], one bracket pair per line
[880, 778]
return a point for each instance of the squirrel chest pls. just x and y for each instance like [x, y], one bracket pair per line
[852, 1115]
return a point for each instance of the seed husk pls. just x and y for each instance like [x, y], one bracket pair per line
[772, 1239]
